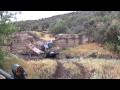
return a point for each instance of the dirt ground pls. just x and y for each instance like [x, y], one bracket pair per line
[62, 73]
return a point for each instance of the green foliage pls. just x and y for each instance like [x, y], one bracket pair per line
[6, 26]
[45, 26]
[118, 49]
[106, 18]
[59, 27]
[112, 37]
[98, 19]
[80, 20]
[110, 46]
[1, 39]
[35, 27]
[1, 64]
[98, 25]
[113, 47]
[112, 33]
[118, 14]
[3, 54]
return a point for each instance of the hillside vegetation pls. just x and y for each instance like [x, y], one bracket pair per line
[102, 26]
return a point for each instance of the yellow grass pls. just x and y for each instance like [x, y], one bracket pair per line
[72, 68]
[41, 69]
[99, 68]
[45, 36]
[35, 69]
[48, 37]
[87, 49]
[104, 69]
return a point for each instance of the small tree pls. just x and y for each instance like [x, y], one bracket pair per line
[112, 35]
[6, 28]
[6, 25]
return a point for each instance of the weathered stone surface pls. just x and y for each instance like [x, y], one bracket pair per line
[70, 39]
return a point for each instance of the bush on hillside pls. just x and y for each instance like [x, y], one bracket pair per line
[59, 27]
[112, 37]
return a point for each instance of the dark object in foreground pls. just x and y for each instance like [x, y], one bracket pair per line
[51, 54]
[5, 74]
[69, 57]
[17, 70]
[93, 55]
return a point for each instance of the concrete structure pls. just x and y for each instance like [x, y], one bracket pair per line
[64, 40]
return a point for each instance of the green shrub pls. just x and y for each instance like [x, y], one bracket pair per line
[106, 18]
[59, 27]
[118, 49]
[113, 47]
[3, 54]
[1, 64]
[110, 46]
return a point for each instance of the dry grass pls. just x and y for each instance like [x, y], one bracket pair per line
[48, 37]
[44, 36]
[8, 62]
[87, 49]
[39, 34]
[45, 69]
[72, 69]
[41, 69]
[102, 69]
[35, 69]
